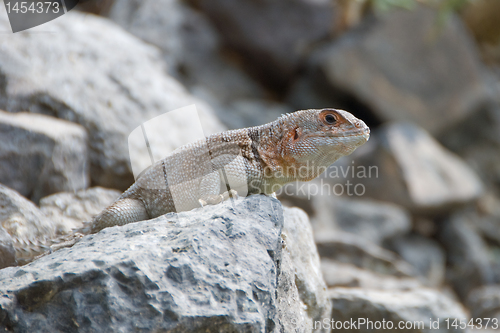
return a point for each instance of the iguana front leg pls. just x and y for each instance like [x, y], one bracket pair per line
[216, 199]
[210, 188]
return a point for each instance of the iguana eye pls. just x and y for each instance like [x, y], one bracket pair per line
[330, 119]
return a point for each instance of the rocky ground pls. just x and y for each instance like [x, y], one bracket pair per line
[407, 229]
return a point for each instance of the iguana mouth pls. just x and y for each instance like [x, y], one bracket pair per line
[360, 132]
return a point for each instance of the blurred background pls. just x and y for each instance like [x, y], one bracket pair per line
[418, 206]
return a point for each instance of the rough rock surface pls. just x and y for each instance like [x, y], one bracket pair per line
[300, 253]
[415, 171]
[41, 155]
[85, 72]
[417, 308]
[216, 269]
[373, 66]
[69, 210]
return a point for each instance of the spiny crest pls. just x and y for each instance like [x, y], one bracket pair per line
[295, 117]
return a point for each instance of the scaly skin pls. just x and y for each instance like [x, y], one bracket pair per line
[261, 159]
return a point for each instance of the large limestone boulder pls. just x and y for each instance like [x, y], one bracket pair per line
[223, 268]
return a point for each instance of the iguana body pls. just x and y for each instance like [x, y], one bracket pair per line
[297, 146]
[261, 159]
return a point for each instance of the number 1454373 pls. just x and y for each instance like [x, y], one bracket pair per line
[33, 7]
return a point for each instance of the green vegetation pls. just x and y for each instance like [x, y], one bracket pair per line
[446, 7]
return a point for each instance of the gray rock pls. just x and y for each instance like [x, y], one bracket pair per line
[338, 274]
[190, 45]
[42, 155]
[22, 224]
[20, 217]
[468, 256]
[350, 249]
[98, 7]
[216, 269]
[413, 170]
[477, 140]
[372, 220]
[272, 36]
[192, 51]
[91, 72]
[311, 89]
[424, 254]
[371, 65]
[300, 254]
[26, 231]
[69, 210]
[7, 252]
[425, 226]
[484, 302]
[487, 220]
[423, 310]
[251, 112]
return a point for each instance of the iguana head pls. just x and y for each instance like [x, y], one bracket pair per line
[314, 139]
[326, 132]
